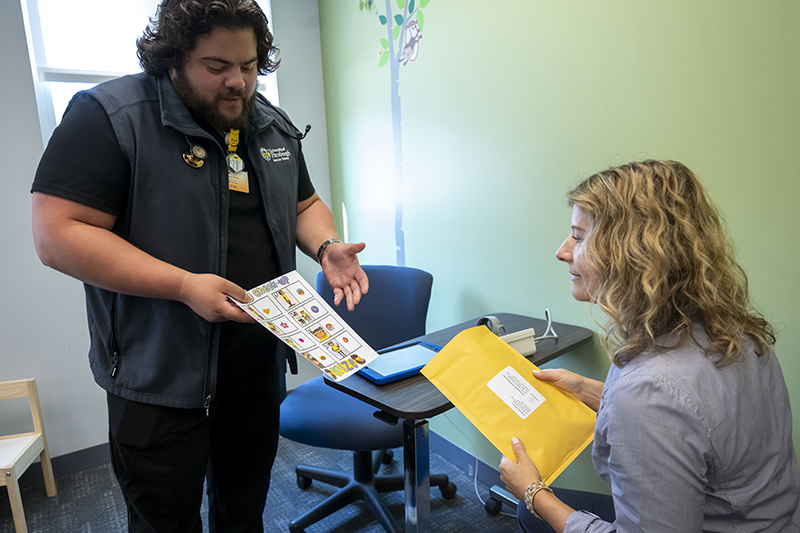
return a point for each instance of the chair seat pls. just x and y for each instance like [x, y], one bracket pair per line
[13, 449]
[307, 413]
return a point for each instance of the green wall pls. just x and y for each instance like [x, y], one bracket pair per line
[510, 103]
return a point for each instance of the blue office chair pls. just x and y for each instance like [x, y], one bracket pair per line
[316, 414]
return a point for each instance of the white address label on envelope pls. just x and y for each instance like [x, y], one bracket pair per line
[517, 393]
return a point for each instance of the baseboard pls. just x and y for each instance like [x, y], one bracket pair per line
[66, 464]
[487, 474]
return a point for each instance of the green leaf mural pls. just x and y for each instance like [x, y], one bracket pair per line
[407, 32]
[384, 58]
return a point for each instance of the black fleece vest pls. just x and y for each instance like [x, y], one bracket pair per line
[159, 351]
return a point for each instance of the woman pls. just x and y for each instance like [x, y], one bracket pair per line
[694, 430]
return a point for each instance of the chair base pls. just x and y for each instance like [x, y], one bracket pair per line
[362, 485]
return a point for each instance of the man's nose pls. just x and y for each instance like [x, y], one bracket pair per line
[235, 81]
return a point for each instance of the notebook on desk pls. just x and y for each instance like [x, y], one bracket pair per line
[399, 362]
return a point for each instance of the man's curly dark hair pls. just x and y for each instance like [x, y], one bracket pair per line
[174, 30]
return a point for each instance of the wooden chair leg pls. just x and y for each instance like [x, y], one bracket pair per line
[47, 471]
[16, 504]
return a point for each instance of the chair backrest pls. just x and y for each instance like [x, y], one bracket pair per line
[394, 309]
[22, 388]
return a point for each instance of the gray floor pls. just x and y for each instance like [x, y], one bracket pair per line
[90, 501]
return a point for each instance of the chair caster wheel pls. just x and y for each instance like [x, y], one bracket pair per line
[448, 491]
[493, 506]
[388, 457]
[302, 482]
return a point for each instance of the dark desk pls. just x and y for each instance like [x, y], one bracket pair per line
[415, 399]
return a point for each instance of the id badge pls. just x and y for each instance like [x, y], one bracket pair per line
[235, 163]
[237, 181]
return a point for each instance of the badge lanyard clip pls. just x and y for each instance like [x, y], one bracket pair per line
[237, 175]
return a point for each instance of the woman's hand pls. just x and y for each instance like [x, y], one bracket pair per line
[517, 475]
[586, 390]
[563, 379]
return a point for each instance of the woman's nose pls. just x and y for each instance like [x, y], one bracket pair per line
[564, 252]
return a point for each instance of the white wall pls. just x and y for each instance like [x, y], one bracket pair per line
[43, 332]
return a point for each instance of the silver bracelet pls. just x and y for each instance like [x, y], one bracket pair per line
[531, 491]
[323, 246]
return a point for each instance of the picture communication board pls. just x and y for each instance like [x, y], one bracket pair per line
[293, 311]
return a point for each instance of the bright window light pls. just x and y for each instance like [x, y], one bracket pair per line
[344, 223]
[93, 34]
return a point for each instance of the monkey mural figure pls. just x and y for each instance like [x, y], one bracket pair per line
[411, 47]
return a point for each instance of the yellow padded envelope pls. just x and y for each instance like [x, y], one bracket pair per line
[492, 385]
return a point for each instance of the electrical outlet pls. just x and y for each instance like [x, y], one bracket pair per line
[470, 470]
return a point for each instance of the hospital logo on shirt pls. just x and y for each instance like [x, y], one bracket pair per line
[275, 154]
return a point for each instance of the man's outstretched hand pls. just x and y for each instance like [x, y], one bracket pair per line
[344, 274]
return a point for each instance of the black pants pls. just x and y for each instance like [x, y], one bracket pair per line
[601, 505]
[161, 456]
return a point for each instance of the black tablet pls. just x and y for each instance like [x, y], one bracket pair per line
[399, 362]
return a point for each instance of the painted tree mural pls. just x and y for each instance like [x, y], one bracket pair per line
[398, 48]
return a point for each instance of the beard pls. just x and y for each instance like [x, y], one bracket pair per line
[208, 111]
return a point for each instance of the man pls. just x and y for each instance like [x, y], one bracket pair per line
[168, 193]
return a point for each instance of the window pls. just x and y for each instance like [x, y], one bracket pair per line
[81, 43]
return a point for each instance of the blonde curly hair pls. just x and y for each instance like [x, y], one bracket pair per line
[662, 264]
